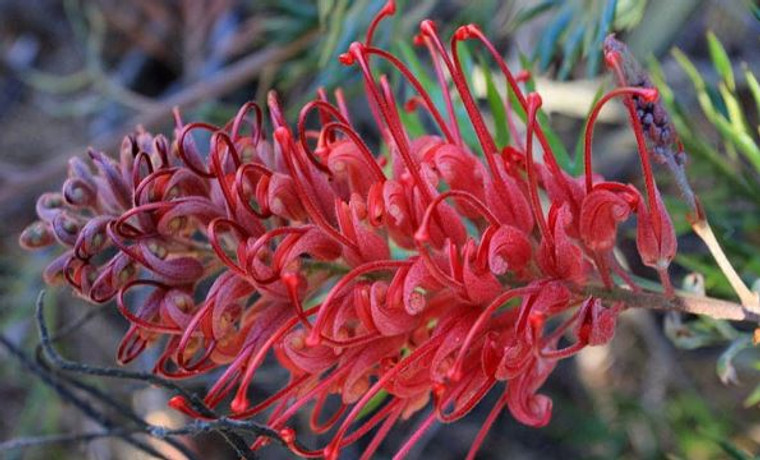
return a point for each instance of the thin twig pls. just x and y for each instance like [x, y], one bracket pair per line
[224, 81]
[67, 395]
[237, 443]
[155, 431]
[106, 399]
[682, 302]
[73, 366]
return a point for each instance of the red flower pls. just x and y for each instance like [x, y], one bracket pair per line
[450, 274]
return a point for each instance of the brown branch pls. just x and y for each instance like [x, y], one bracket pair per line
[224, 81]
[682, 302]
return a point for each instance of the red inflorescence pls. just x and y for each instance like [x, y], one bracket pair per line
[423, 271]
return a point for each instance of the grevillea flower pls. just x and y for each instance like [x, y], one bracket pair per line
[417, 276]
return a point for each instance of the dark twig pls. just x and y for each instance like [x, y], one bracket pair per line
[233, 76]
[67, 395]
[35, 441]
[65, 364]
[120, 408]
[156, 431]
[235, 441]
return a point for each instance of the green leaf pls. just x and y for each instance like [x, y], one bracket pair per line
[605, 25]
[695, 143]
[754, 87]
[496, 103]
[412, 123]
[733, 451]
[754, 398]
[570, 51]
[721, 60]
[733, 107]
[324, 7]
[725, 366]
[416, 128]
[741, 139]
[373, 404]
[551, 35]
[629, 13]
[527, 14]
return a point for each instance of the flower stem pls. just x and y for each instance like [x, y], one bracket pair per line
[748, 298]
[681, 302]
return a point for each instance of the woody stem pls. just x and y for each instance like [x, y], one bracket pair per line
[681, 302]
[748, 298]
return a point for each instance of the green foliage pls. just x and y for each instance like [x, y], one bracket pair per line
[577, 29]
[730, 157]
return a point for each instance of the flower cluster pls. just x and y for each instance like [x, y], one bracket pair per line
[420, 274]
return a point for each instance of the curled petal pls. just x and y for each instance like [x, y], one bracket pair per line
[119, 271]
[49, 205]
[657, 247]
[37, 235]
[66, 228]
[347, 163]
[309, 359]
[283, 199]
[115, 186]
[370, 245]
[559, 256]
[78, 192]
[525, 405]
[481, 285]
[417, 283]
[358, 379]
[388, 313]
[54, 272]
[509, 250]
[508, 202]
[601, 212]
[177, 270]
[400, 221]
[92, 238]
[596, 323]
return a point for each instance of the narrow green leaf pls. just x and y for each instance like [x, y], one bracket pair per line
[373, 404]
[527, 14]
[690, 69]
[334, 29]
[551, 35]
[496, 104]
[733, 107]
[721, 60]
[570, 51]
[754, 87]
[629, 13]
[741, 139]
[605, 26]
[426, 80]
[324, 7]
[412, 123]
[733, 451]
[754, 398]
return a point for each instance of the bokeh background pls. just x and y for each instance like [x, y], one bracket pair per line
[80, 73]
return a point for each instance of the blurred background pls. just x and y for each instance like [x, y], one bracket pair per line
[79, 73]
